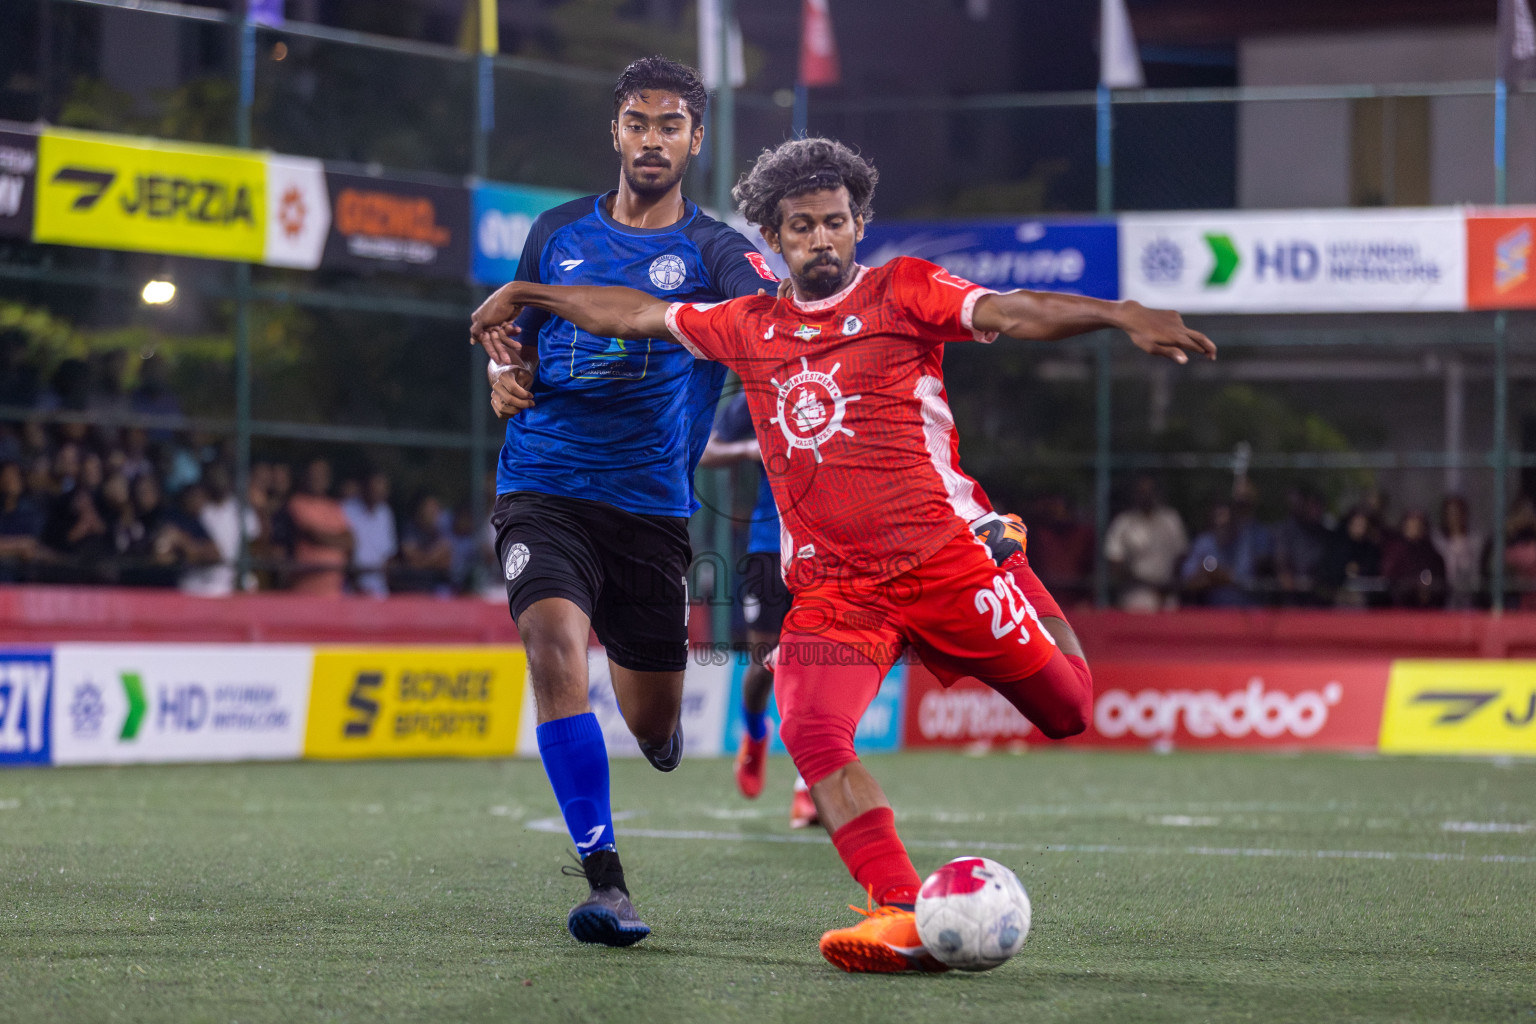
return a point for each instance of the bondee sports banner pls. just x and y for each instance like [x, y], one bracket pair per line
[1076, 256]
[1301, 261]
[106, 192]
[161, 703]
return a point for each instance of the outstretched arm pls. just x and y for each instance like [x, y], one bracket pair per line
[606, 312]
[1050, 316]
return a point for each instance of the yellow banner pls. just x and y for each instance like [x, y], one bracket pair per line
[149, 196]
[415, 702]
[1460, 707]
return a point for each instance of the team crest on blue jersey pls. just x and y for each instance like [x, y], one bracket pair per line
[668, 272]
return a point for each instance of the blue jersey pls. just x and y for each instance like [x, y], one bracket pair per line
[735, 424]
[622, 422]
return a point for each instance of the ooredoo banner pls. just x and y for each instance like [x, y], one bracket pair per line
[384, 223]
[159, 703]
[1302, 261]
[1076, 256]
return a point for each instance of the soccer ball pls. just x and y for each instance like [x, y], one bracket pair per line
[972, 913]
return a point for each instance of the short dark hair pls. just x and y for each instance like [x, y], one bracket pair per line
[666, 76]
[798, 167]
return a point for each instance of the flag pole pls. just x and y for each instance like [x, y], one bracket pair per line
[1500, 141]
[725, 114]
[1105, 124]
[802, 111]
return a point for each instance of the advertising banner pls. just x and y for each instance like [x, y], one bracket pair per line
[149, 196]
[706, 687]
[25, 706]
[1461, 707]
[415, 702]
[385, 224]
[1499, 259]
[1076, 256]
[298, 212]
[1301, 261]
[1324, 704]
[502, 216]
[878, 732]
[18, 183]
[158, 703]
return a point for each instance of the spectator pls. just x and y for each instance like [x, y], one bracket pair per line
[75, 530]
[1301, 546]
[21, 524]
[1143, 547]
[1351, 570]
[1462, 550]
[468, 550]
[172, 541]
[1061, 550]
[115, 504]
[373, 528]
[426, 555]
[136, 461]
[321, 537]
[1413, 570]
[1221, 569]
[1520, 555]
[214, 506]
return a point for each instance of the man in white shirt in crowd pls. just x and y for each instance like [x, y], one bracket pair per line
[373, 528]
[220, 516]
[1143, 546]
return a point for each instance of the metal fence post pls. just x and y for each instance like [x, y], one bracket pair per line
[1104, 146]
[1101, 479]
[246, 93]
[1500, 455]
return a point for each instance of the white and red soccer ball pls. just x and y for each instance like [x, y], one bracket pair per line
[972, 914]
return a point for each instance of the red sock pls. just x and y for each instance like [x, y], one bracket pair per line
[876, 859]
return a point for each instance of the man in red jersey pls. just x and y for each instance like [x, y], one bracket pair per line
[880, 545]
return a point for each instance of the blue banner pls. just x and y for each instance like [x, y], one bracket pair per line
[501, 216]
[26, 699]
[1076, 256]
[879, 730]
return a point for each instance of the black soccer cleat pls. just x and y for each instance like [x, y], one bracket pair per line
[666, 758]
[607, 918]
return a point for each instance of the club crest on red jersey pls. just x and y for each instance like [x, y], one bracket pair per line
[806, 332]
[811, 407]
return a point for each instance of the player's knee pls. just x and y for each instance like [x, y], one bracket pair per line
[1069, 719]
[818, 746]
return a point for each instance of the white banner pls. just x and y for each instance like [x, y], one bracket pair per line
[1301, 261]
[706, 691]
[298, 212]
[156, 703]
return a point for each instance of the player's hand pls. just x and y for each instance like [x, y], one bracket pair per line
[510, 388]
[786, 288]
[492, 328]
[1161, 332]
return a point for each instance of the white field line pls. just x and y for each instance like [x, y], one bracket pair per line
[557, 827]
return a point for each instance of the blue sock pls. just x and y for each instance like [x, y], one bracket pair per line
[576, 761]
[757, 723]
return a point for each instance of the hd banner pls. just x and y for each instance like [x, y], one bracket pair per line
[1302, 261]
[106, 192]
[1076, 256]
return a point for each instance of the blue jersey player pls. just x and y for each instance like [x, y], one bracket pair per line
[594, 486]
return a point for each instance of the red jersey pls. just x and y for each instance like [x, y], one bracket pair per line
[847, 398]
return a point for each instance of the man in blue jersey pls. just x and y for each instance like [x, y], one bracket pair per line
[594, 487]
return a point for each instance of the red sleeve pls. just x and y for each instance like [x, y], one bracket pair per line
[939, 305]
[710, 330]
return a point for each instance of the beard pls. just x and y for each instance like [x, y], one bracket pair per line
[652, 188]
[826, 284]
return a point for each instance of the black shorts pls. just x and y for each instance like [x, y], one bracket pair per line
[761, 591]
[628, 572]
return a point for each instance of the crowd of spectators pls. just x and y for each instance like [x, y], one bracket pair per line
[85, 503]
[1365, 557]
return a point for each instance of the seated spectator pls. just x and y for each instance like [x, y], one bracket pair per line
[1301, 546]
[172, 541]
[115, 504]
[77, 533]
[21, 525]
[1351, 569]
[214, 506]
[373, 529]
[1061, 550]
[1221, 569]
[1143, 546]
[1413, 570]
[469, 549]
[1463, 550]
[321, 542]
[426, 554]
[1520, 555]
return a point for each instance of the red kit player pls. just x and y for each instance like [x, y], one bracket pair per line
[845, 384]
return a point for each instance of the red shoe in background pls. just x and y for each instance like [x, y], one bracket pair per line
[802, 809]
[751, 765]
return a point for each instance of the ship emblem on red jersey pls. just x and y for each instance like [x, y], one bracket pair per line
[811, 407]
[807, 332]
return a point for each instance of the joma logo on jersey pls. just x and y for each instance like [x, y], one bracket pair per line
[811, 407]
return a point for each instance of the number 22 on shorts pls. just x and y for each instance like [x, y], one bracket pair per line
[1005, 591]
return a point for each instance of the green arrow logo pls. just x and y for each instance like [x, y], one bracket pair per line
[1227, 260]
[133, 686]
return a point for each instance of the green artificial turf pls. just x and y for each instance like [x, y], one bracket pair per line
[1183, 887]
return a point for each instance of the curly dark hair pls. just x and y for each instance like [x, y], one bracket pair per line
[667, 76]
[800, 166]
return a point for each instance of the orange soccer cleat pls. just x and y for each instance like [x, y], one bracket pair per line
[885, 942]
[751, 765]
[802, 809]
